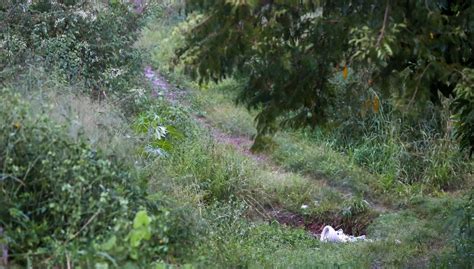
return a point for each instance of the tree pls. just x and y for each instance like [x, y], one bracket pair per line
[289, 50]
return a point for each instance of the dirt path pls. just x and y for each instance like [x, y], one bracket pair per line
[161, 87]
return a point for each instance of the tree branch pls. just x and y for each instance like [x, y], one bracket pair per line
[418, 85]
[385, 19]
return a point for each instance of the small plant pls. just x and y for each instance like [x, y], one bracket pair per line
[156, 133]
[141, 242]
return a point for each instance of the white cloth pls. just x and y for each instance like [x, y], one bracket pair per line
[330, 235]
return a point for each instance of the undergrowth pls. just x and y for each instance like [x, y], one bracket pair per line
[62, 198]
[132, 181]
[410, 225]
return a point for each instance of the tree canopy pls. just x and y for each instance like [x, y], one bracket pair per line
[412, 52]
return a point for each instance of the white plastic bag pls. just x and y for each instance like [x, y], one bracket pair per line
[330, 235]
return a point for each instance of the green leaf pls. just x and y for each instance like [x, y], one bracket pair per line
[109, 244]
[160, 266]
[141, 219]
[101, 266]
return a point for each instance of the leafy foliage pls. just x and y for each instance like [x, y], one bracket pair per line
[410, 51]
[60, 196]
[465, 244]
[156, 132]
[80, 41]
[464, 107]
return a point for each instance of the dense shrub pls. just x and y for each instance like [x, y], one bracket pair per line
[62, 200]
[465, 242]
[81, 41]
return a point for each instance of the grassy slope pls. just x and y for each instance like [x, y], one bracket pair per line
[223, 193]
[405, 233]
[227, 198]
[224, 198]
[410, 227]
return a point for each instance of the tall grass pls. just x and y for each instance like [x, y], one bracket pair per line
[416, 154]
[103, 123]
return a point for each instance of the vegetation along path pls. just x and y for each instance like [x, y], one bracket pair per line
[306, 179]
[227, 134]
[243, 144]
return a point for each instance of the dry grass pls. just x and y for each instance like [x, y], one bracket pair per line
[101, 123]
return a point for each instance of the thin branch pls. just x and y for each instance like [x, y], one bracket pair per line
[85, 225]
[6, 176]
[31, 165]
[68, 261]
[385, 19]
[418, 85]
[427, 6]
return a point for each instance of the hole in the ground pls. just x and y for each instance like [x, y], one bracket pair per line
[355, 225]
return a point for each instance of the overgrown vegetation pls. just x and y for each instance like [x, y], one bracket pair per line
[408, 53]
[64, 201]
[99, 168]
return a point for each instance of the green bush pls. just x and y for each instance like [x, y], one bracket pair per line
[82, 42]
[60, 198]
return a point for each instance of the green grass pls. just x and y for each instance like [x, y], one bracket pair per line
[294, 152]
[378, 167]
[213, 102]
[406, 234]
[400, 239]
[217, 202]
[258, 245]
[233, 192]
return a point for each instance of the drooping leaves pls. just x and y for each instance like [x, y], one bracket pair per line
[289, 51]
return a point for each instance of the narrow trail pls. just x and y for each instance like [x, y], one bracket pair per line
[161, 87]
[177, 96]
